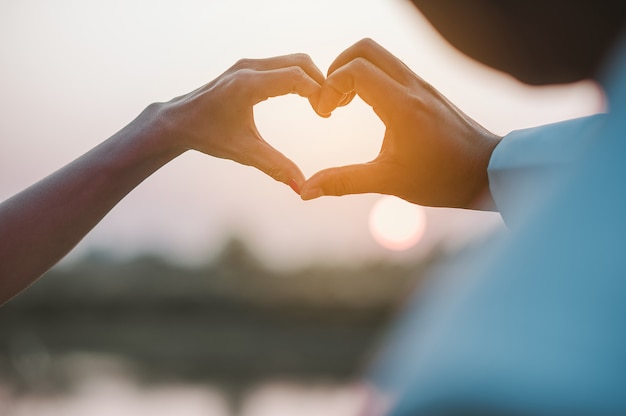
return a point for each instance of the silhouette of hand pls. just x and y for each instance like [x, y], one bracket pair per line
[432, 153]
[217, 119]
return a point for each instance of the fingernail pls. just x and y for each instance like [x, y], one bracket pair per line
[294, 185]
[324, 114]
[345, 100]
[312, 193]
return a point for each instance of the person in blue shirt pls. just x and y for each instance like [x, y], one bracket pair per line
[533, 323]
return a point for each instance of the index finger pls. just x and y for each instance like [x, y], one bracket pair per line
[276, 82]
[302, 60]
[373, 85]
[379, 56]
[345, 180]
[267, 159]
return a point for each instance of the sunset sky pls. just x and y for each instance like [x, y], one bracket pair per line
[73, 72]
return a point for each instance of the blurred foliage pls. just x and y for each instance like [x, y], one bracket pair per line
[230, 321]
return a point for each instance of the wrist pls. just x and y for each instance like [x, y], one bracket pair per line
[480, 197]
[140, 148]
[154, 131]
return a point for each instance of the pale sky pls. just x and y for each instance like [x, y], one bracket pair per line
[72, 73]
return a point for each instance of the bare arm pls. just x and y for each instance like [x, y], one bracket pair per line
[43, 223]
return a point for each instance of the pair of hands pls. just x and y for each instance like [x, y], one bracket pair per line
[432, 153]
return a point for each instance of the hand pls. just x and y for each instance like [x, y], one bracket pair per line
[432, 153]
[217, 119]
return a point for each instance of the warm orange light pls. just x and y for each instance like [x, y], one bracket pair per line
[396, 224]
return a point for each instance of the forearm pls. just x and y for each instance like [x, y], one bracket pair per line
[44, 222]
[41, 224]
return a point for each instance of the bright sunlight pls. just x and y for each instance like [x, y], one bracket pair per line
[396, 224]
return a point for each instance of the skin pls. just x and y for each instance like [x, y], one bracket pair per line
[41, 224]
[432, 153]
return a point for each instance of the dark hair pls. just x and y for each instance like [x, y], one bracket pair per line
[536, 41]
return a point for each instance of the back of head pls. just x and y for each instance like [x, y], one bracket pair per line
[538, 42]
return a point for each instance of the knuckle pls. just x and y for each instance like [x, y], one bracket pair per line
[366, 44]
[414, 101]
[238, 78]
[425, 86]
[302, 57]
[155, 107]
[360, 63]
[274, 172]
[296, 72]
[342, 185]
[356, 67]
[242, 63]
[409, 106]
[296, 75]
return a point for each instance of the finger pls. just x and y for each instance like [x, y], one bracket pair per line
[347, 98]
[343, 99]
[352, 179]
[268, 64]
[270, 161]
[361, 76]
[377, 55]
[276, 82]
[314, 100]
[302, 60]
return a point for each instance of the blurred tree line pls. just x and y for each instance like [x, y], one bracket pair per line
[231, 321]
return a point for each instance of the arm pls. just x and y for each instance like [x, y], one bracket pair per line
[432, 153]
[41, 224]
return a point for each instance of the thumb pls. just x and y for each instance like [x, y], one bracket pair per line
[273, 163]
[352, 179]
[321, 102]
[330, 98]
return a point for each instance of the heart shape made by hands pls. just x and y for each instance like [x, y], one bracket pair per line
[352, 134]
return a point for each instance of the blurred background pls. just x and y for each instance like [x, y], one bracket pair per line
[211, 289]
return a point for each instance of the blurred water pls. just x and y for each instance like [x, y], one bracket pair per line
[227, 338]
[103, 386]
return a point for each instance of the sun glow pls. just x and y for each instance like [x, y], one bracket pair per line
[396, 224]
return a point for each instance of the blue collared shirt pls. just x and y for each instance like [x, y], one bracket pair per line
[536, 322]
